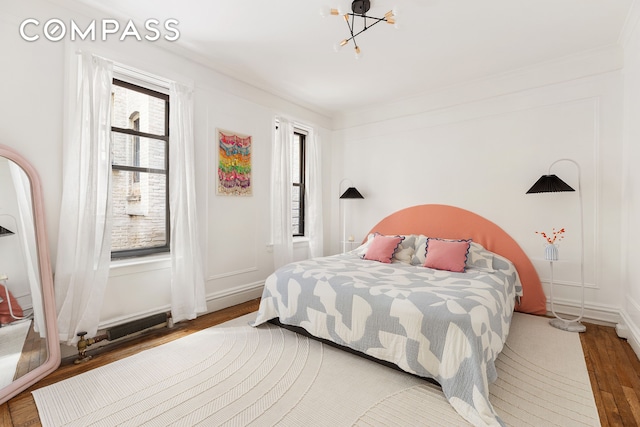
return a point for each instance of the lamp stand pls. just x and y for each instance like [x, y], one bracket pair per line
[566, 325]
[559, 322]
[572, 325]
[344, 228]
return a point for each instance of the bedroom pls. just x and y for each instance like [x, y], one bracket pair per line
[514, 121]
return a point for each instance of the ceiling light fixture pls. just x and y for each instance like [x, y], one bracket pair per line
[359, 9]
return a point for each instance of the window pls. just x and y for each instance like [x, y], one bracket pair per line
[135, 125]
[298, 178]
[139, 170]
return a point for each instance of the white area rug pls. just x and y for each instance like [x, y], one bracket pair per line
[12, 338]
[236, 375]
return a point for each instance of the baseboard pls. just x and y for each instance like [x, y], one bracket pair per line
[215, 301]
[234, 296]
[594, 313]
[631, 332]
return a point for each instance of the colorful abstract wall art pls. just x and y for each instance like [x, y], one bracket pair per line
[234, 163]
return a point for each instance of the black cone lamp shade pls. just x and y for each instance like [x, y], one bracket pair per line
[5, 232]
[549, 184]
[351, 193]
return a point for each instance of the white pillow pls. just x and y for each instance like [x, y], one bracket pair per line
[479, 257]
[405, 251]
[420, 251]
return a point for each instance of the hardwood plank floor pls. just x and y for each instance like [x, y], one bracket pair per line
[613, 367]
[34, 353]
[614, 370]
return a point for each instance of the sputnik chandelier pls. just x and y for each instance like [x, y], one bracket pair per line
[359, 9]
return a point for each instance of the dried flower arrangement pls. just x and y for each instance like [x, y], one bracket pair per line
[556, 235]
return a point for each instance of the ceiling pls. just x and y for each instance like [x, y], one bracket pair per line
[286, 46]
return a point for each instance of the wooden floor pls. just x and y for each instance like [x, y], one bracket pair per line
[613, 368]
[34, 353]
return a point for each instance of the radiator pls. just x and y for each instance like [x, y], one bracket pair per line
[135, 326]
[120, 331]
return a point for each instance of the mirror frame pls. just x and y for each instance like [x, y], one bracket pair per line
[46, 280]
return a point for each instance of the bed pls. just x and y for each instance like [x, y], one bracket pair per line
[419, 309]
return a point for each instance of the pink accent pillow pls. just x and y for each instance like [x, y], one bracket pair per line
[448, 255]
[382, 248]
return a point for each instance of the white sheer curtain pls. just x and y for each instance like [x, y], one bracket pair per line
[26, 223]
[281, 186]
[84, 241]
[314, 194]
[187, 277]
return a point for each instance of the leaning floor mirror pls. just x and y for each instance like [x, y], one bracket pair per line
[29, 348]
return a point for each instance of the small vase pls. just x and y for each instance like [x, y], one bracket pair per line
[551, 252]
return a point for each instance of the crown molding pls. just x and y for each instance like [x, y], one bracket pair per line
[573, 67]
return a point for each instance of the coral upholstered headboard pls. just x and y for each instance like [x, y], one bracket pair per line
[449, 222]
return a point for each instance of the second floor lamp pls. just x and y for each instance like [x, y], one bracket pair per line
[550, 183]
[350, 193]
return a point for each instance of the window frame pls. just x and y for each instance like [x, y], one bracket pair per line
[301, 186]
[141, 252]
[135, 125]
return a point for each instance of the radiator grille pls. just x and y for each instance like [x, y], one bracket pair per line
[135, 326]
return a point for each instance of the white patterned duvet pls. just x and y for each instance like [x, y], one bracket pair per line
[435, 324]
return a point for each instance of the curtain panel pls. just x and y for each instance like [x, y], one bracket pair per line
[187, 275]
[84, 243]
[314, 195]
[281, 187]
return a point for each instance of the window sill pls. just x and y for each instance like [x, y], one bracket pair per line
[121, 267]
[297, 242]
[300, 240]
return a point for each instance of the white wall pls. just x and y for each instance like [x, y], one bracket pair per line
[631, 187]
[234, 231]
[482, 147]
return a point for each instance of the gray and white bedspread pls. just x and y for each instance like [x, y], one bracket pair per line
[436, 324]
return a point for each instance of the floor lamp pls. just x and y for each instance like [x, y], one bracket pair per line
[350, 193]
[550, 184]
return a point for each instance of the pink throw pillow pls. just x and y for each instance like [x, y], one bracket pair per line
[382, 248]
[450, 255]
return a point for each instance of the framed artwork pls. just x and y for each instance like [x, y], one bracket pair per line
[234, 163]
